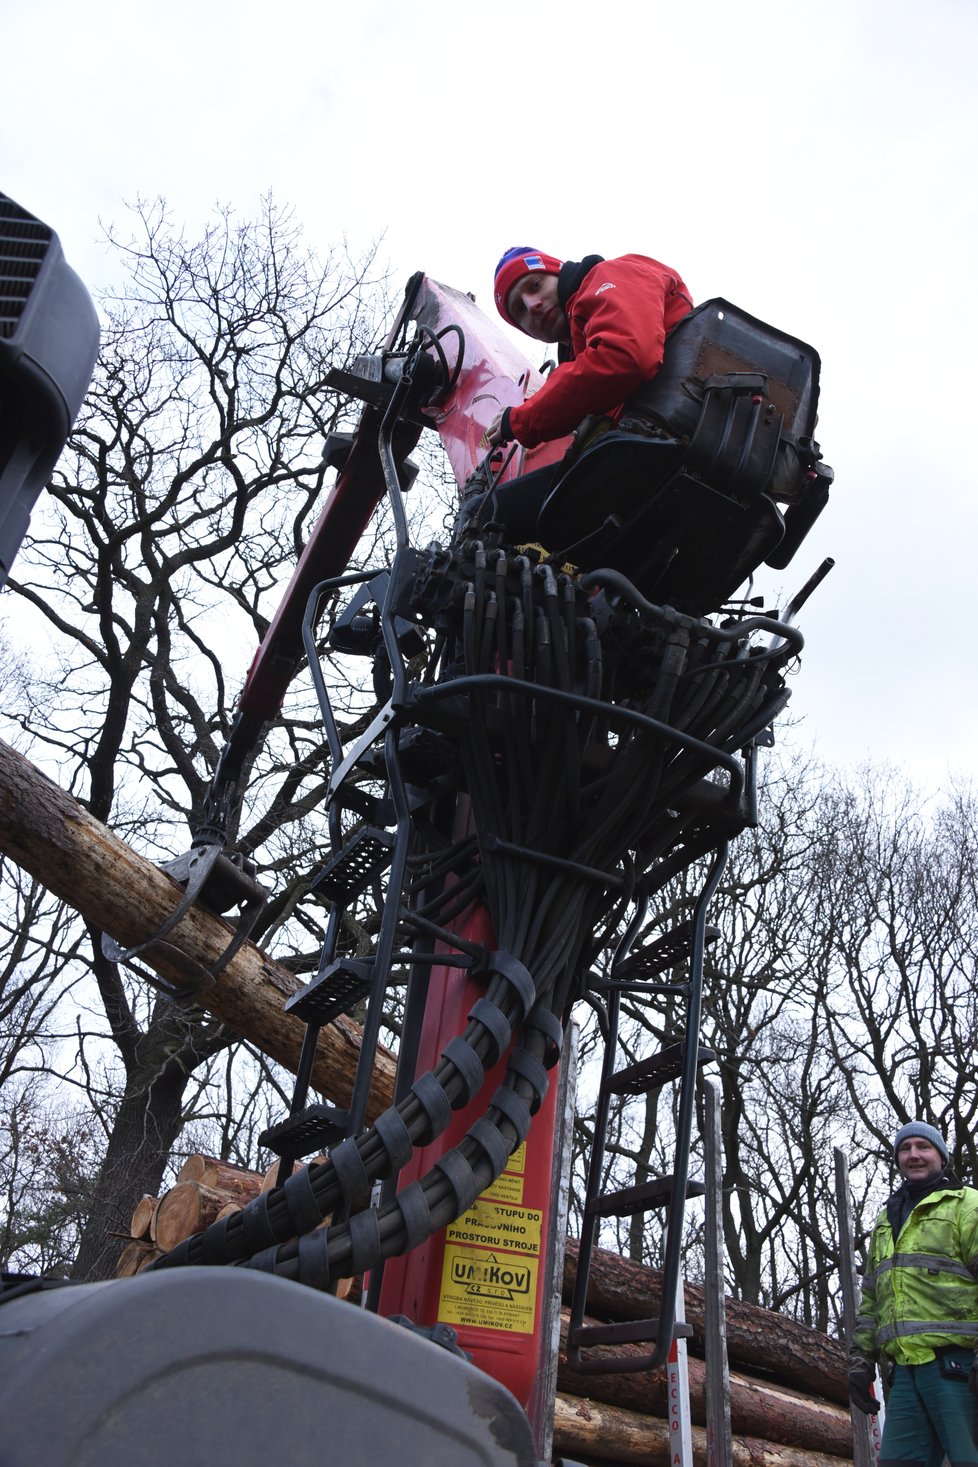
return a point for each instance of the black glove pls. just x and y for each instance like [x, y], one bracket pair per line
[505, 431]
[862, 1373]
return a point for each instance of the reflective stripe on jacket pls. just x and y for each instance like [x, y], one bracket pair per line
[921, 1293]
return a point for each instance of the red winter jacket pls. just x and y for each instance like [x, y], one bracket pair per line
[619, 317]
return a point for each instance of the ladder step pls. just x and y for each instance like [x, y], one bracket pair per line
[658, 1069]
[352, 869]
[338, 988]
[317, 1128]
[660, 956]
[640, 1198]
[629, 1332]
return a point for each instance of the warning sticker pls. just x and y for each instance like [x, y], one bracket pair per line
[488, 1290]
[505, 1188]
[517, 1162]
[489, 1225]
[508, 1186]
[495, 1288]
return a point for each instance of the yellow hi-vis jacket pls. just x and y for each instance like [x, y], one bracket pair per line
[921, 1293]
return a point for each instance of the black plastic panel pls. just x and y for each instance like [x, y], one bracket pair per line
[205, 1365]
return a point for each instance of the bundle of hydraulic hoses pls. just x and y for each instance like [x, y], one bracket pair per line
[577, 744]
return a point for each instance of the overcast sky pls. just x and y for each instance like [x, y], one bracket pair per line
[813, 162]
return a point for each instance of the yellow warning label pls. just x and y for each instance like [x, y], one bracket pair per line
[497, 1288]
[490, 1225]
[488, 1290]
[517, 1162]
[505, 1188]
[508, 1186]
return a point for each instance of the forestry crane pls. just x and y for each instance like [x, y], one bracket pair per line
[584, 727]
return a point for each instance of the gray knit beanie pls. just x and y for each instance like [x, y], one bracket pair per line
[925, 1132]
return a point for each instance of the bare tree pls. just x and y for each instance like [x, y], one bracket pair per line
[840, 1001]
[898, 961]
[173, 520]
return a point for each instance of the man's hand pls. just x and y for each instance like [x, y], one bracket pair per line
[498, 430]
[862, 1373]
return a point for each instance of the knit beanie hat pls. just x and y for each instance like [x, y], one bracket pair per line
[519, 261]
[925, 1133]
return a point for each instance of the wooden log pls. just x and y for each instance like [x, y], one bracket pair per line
[235, 1182]
[187, 1208]
[757, 1339]
[136, 1253]
[51, 836]
[758, 1408]
[612, 1435]
[141, 1223]
[270, 1179]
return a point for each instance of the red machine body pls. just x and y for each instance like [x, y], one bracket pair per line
[489, 1274]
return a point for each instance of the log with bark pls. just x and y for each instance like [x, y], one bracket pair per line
[758, 1408]
[235, 1181]
[594, 1432]
[187, 1208]
[191, 1206]
[757, 1338]
[270, 1179]
[52, 837]
[141, 1223]
[134, 1256]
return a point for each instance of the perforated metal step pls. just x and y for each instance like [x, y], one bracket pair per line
[338, 988]
[654, 1071]
[661, 956]
[351, 870]
[317, 1128]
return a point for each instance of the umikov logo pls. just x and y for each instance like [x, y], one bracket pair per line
[490, 1279]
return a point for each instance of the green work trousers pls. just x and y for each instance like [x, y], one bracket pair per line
[929, 1416]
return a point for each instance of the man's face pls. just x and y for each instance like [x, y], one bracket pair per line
[918, 1160]
[533, 306]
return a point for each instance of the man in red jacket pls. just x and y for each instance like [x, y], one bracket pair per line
[610, 318]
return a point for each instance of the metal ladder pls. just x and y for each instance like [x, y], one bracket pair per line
[635, 973]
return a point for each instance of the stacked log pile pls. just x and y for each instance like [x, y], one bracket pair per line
[788, 1398]
[206, 1189]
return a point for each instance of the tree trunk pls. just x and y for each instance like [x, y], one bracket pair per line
[612, 1435]
[757, 1408]
[54, 838]
[756, 1338]
[146, 1126]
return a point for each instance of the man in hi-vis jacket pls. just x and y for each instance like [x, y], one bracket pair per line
[918, 1315]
